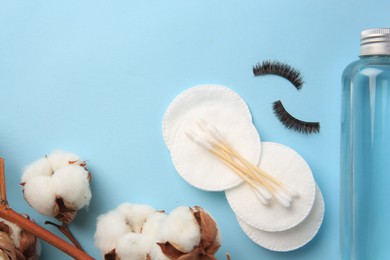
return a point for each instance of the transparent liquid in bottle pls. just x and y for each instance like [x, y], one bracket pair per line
[365, 160]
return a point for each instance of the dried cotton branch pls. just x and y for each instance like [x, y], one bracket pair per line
[28, 226]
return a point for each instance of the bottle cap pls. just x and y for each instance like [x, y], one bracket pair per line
[375, 42]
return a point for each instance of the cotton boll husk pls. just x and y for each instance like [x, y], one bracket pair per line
[152, 226]
[40, 167]
[40, 194]
[181, 229]
[59, 159]
[218, 238]
[135, 214]
[133, 246]
[71, 183]
[110, 228]
[15, 234]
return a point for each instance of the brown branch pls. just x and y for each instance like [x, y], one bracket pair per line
[228, 256]
[32, 227]
[26, 224]
[65, 230]
[3, 191]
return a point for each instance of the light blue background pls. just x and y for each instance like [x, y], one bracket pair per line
[95, 78]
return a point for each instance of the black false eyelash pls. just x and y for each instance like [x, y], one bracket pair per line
[281, 69]
[291, 122]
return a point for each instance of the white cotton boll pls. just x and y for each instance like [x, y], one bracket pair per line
[85, 196]
[40, 167]
[15, 234]
[152, 226]
[156, 253]
[135, 214]
[71, 183]
[181, 229]
[133, 246]
[59, 159]
[110, 228]
[40, 194]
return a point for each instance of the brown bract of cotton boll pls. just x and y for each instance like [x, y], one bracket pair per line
[22, 248]
[7, 247]
[207, 246]
[64, 211]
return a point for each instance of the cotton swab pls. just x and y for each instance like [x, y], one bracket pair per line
[263, 184]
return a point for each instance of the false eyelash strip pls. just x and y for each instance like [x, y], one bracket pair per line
[281, 69]
[291, 122]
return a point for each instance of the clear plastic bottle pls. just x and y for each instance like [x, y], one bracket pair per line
[365, 151]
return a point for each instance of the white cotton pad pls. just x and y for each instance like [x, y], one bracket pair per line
[290, 168]
[293, 238]
[199, 97]
[200, 167]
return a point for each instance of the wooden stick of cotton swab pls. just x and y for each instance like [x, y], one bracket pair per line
[215, 143]
[278, 184]
[213, 131]
[263, 194]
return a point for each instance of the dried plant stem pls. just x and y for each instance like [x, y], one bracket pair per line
[11, 215]
[26, 224]
[228, 256]
[64, 228]
[3, 191]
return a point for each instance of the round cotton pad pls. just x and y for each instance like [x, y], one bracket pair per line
[290, 168]
[293, 238]
[197, 165]
[197, 97]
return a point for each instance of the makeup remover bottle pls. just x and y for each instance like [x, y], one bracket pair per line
[365, 151]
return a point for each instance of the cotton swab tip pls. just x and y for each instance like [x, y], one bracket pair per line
[293, 193]
[260, 196]
[196, 139]
[283, 200]
[264, 192]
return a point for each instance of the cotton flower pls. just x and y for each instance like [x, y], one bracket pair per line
[57, 185]
[40, 167]
[110, 227]
[134, 231]
[113, 226]
[135, 214]
[16, 243]
[72, 185]
[209, 239]
[40, 194]
[157, 254]
[153, 225]
[59, 159]
[181, 229]
[134, 246]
